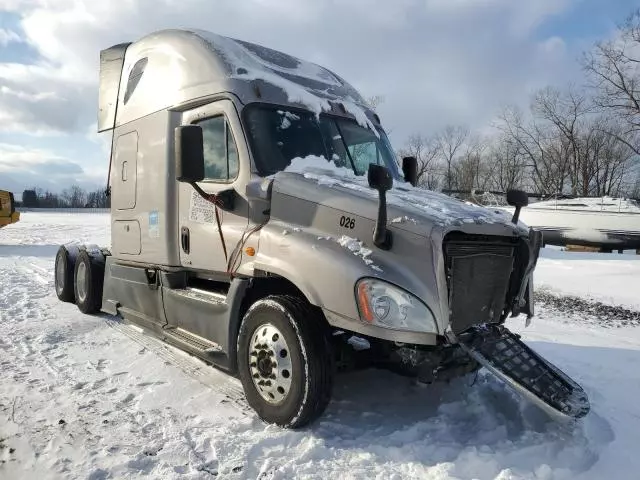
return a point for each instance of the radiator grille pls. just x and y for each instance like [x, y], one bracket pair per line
[478, 274]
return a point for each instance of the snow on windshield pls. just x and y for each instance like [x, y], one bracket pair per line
[288, 117]
[440, 208]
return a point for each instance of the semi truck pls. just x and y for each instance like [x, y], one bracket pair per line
[261, 221]
[8, 214]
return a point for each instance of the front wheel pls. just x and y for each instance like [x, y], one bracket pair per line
[284, 361]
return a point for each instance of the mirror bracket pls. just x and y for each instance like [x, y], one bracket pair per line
[380, 179]
[225, 199]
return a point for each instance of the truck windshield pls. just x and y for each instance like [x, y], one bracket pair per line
[278, 135]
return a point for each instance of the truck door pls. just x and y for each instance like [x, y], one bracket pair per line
[227, 166]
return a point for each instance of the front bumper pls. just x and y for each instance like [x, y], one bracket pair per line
[357, 326]
[432, 364]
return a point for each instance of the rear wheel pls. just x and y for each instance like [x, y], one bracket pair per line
[64, 273]
[284, 361]
[88, 282]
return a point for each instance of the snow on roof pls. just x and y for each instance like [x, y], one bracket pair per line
[242, 54]
[303, 82]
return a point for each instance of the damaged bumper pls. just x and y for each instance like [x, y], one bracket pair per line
[512, 361]
[523, 301]
[431, 364]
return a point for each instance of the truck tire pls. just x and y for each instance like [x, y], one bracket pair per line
[64, 273]
[88, 280]
[284, 361]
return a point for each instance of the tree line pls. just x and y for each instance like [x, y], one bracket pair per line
[581, 140]
[73, 197]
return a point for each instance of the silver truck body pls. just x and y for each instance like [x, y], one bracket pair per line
[189, 269]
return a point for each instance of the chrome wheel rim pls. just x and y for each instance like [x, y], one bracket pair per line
[60, 274]
[81, 281]
[270, 363]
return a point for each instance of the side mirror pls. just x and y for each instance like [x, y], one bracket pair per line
[189, 152]
[518, 199]
[410, 170]
[379, 177]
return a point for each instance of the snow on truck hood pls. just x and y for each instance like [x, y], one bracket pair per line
[416, 205]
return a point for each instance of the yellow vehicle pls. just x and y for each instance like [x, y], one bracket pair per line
[8, 212]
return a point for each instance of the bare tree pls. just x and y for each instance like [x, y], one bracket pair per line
[426, 151]
[374, 102]
[613, 67]
[450, 140]
[75, 197]
[508, 164]
[98, 199]
[471, 169]
[612, 161]
[566, 115]
[546, 159]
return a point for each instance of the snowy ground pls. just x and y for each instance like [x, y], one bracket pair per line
[88, 397]
[606, 277]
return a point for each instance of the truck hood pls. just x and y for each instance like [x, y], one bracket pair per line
[409, 208]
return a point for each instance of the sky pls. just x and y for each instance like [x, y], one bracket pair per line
[434, 62]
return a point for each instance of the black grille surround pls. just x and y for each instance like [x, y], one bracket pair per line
[478, 270]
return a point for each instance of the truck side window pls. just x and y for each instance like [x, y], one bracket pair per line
[134, 77]
[362, 145]
[220, 152]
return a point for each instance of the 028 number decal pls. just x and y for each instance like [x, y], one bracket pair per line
[347, 222]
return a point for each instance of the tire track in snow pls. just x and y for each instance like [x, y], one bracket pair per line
[191, 366]
[375, 428]
[70, 403]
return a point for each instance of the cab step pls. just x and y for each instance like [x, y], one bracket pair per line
[194, 341]
[510, 359]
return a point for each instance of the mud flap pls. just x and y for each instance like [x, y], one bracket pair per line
[506, 356]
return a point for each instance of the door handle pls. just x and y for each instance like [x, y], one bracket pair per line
[184, 239]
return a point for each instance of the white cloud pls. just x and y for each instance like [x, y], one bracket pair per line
[14, 158]
[17, 5]
[434, 61]
[23, 168]
[8, 36]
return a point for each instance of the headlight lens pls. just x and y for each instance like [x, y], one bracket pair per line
[388, 306]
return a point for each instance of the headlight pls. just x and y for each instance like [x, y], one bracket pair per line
[388, 306]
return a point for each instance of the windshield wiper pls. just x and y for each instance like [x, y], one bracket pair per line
[346, 148]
